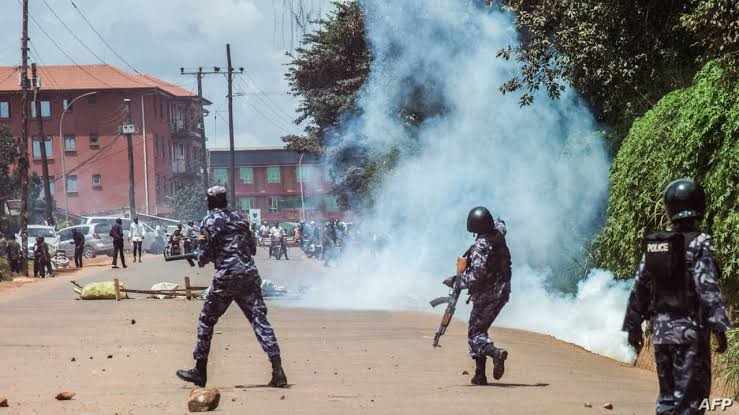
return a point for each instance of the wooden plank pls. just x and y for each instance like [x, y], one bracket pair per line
[117, 289]
[187, 288]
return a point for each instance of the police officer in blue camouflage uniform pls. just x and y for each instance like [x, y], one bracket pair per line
[677, 290]
[487, 278]
[227, 241]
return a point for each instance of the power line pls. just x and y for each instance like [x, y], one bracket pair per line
[102, 38]
[275, 108]
[71, 32]
[277, 120]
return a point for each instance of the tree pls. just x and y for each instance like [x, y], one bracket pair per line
[622, 56]
[326, 73]
[690, 132]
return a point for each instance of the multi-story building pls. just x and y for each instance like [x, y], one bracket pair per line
[89, 149]
[281, 185]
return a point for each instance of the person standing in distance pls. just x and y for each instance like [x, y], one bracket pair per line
[677, 290]
[79, 246]
[487, 277]
[227, 241]
[136, 233]
[116, 232]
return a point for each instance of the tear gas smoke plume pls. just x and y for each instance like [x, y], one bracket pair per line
[541, 168]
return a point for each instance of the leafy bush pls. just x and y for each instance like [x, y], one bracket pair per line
[729, 365]
[690, 132]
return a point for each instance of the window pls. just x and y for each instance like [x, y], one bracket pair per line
[45, 109]
[273, 174]
[66, 103]
[97, 181]
[71, 184]
[274, 203]
[4, 109]
[291, 202]
[332, 204]
[37, 148]
[246, 203]
[247, 175]
[70, 143]
[307, 174]
[94, 140]
[220, 176]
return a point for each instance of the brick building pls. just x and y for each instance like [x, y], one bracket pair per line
[268, 179]
[92, 152]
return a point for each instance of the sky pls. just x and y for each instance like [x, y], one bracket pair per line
[158, 37]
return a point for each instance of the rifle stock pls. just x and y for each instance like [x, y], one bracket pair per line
[190, 258]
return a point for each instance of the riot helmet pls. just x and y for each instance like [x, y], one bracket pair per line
[480, 221]
[684, 199]
[217, 198]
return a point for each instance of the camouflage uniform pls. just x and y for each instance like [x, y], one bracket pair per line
[681, 342]
[229, 244]
[488, 278]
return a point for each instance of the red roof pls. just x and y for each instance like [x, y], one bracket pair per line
[88, 77]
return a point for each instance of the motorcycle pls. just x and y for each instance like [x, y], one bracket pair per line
[60, 260]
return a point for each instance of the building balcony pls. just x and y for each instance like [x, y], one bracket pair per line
[185, 168]
[183, 130]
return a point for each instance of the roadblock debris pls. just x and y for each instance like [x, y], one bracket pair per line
[203, 400]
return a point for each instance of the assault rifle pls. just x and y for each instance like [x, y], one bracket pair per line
[451, 299]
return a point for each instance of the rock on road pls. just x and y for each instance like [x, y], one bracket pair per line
[338, 362]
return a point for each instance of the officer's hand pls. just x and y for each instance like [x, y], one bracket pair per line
[636, 340]
[449, 282]
[722, 342]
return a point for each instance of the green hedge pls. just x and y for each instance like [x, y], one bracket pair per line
[690, 132]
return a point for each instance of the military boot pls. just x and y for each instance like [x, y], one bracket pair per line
[197, 375]
[279, 380]
[480, 378]
[499, 357]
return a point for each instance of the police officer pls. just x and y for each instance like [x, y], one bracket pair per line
[227, 241]
[677, 289]
[487, 277]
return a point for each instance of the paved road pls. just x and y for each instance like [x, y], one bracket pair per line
[338, 362]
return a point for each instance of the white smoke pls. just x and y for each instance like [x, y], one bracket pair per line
[541, 168]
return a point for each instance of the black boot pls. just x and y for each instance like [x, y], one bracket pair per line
[279, 380]
[198, 375]
[499, 357]
[480, 378]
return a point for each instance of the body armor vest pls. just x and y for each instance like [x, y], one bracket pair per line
[673, 288]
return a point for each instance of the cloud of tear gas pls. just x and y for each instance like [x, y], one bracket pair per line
[542, 169]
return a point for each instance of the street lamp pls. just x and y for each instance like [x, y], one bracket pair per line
[61, 138]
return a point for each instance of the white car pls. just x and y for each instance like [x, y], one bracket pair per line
[151, 241]
[96, 241]
[34, 231]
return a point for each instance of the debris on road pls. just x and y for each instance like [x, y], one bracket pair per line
[74, 359]
[65, 396]
[3, 402]
[465, 373]
[588, 405]
[164, 286]
[270, 289]
[133, 321]
[104, 290]
[608, 406]
[203, 400]
[110, 356]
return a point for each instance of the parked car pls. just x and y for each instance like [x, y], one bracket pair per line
[34, 231]
[96, 241]
[151, 242]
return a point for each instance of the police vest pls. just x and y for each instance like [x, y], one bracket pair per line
[673, 287]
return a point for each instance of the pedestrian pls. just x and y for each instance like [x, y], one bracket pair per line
[230, 245]
[116, 232]
[3, 246]
[677, 291]
[174, 241]
[14, 255]
[136, 232]
[486, 275]
[79, 246]
[41, 258]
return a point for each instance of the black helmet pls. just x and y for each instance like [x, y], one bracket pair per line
[480, 221]
[684, 199]
[217, 197]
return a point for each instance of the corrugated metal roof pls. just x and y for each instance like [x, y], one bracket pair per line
[88, 77]
[260, 157]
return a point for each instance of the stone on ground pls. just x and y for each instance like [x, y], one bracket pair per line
[203, 399]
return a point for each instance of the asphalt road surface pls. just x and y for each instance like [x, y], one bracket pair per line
[337, 362]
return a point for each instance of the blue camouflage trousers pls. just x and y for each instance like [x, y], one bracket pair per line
[684, 372]
[485, 309]
[246, 291]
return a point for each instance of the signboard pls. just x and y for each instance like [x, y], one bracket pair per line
[13, 207]
[128, 129]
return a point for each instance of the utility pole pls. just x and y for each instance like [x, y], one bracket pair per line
[128, 129]
[23, 143]
[36, 82]
[200, 73]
